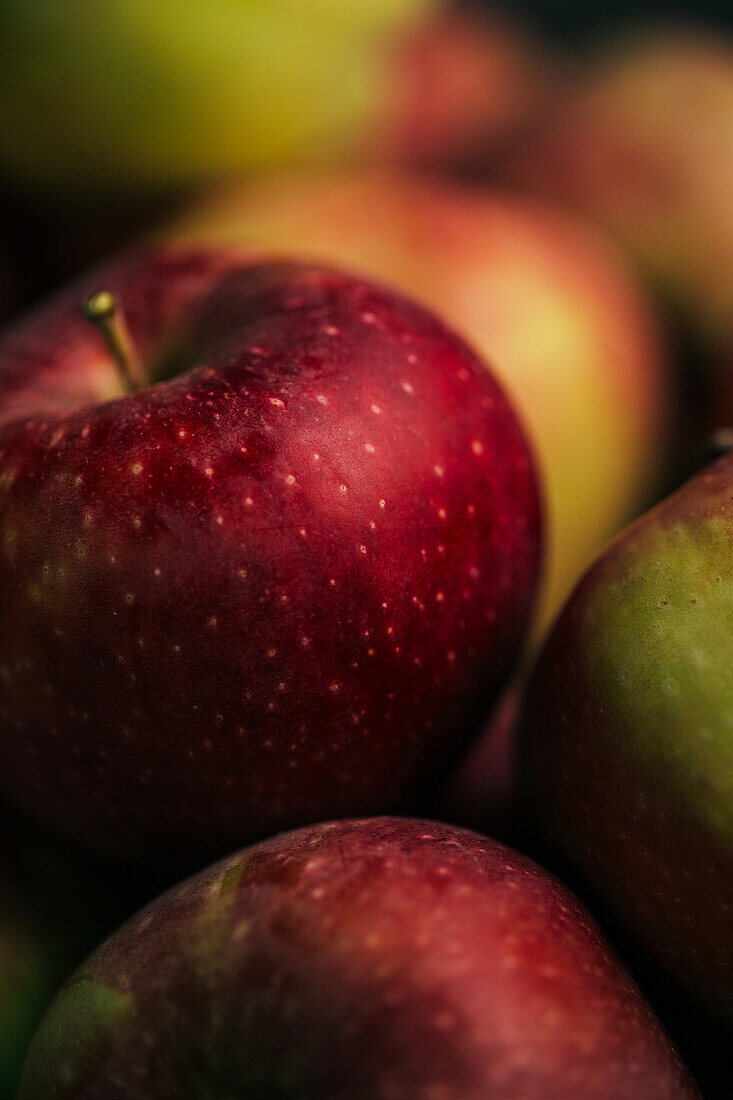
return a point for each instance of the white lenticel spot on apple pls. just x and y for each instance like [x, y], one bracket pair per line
[439, 471]
[382, 503]
[376, 410]
[322, 399]
[477, 447]
[330, 330]
[209, 471]
[290, 479]
[137, 468]
[369, 448]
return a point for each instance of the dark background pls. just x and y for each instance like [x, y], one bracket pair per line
[576, 21]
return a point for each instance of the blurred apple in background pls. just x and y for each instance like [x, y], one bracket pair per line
[134, 94]
[131, 96]
[355, 960]
[109, 111]
[463, 86]
[645, 146]
[541, 296]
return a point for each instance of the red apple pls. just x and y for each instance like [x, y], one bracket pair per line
[284, 580]
[542, 296]
[361, 959]
[462, 86]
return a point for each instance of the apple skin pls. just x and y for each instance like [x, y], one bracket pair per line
[285, 584]
[627, 752]
[129, 96]
[352, 960]
[542, 296]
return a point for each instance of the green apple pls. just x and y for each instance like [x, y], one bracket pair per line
[545, 299]
[628, 733]
[139, 94]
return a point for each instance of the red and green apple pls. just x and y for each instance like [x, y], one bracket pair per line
[388, 958]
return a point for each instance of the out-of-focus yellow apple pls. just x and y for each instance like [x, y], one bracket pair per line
[544, 298]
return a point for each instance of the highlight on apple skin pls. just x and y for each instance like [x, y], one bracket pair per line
[353, 960]
[542, 296]
[285, 581]
[627, 750]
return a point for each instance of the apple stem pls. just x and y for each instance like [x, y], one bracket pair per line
[103, 311]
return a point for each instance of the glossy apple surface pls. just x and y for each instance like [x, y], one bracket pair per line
[545, 300]
[354, 960]
[144, 96]
[283, 583]
[628, 745]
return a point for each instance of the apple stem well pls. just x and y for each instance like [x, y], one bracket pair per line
[103, 310]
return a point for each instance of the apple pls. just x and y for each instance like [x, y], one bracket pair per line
[133, 95]
[283, 580]
[355, 960]
[464, 85]
[644, 144]
[542, 296]
[627, 747]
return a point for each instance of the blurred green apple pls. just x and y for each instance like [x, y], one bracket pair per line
[138, 94]
[542, 296]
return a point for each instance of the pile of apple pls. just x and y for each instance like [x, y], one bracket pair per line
[304, 494]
